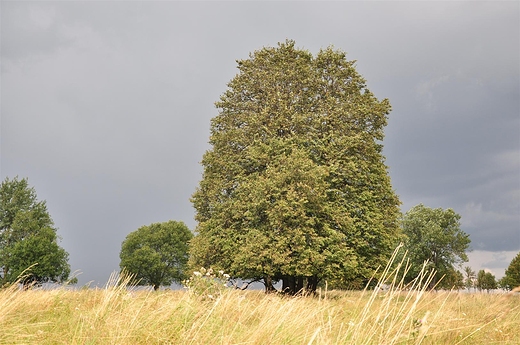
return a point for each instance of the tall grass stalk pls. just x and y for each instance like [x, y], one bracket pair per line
[391, 319]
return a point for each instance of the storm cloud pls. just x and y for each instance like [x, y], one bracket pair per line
[105, 106]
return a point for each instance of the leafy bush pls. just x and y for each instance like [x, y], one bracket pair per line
[207, 284]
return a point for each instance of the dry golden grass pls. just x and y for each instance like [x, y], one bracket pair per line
[115, 315]
[399, 314]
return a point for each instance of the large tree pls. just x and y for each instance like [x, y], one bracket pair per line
[294, 186]
[511, 279]
[156, 254]
[29, 247]
[435, 236]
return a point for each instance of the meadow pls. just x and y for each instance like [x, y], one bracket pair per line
[117, 314]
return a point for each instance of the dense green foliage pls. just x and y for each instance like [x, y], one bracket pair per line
[28, 240]
[453, 279]
[434, 236]
[156, 254]
[511, 279]
[486, 281]
[294, 186]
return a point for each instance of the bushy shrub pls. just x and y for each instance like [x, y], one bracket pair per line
[207, 284]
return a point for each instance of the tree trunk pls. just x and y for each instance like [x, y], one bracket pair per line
[312, 285]
[292, 285]
[288, 285]
[298, 288]
[268, 283]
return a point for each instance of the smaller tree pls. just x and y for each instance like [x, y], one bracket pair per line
[434, 236]
[511, 279]
[469, 279]
[29, 248]
[486, 281]
[453, 279]
[156, 254]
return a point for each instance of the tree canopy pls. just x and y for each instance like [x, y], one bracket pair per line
[156, 254]
[511, 278]
[28, 239]
[434, 235]
[294, 186]
[486, 281]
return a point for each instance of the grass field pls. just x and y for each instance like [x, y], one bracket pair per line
[117, 315]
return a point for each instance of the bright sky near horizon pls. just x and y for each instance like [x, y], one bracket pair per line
[106, 106]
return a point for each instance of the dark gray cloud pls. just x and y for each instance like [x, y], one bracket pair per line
[105, 106]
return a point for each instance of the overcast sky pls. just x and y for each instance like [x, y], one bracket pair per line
[106, 106]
